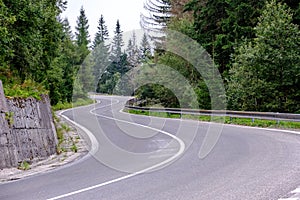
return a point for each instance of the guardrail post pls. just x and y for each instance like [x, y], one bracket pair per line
[277, 121]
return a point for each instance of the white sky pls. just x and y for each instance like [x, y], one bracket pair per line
[127, 11]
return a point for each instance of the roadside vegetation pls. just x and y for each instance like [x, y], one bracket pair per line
[254, 44]
[228, 120]
[77, 103]
[24, 165]
[67, 139]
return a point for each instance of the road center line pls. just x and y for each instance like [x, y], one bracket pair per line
[181, 150]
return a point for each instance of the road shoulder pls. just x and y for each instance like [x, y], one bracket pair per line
[67, 156]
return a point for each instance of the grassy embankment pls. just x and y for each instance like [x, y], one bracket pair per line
[228, 120]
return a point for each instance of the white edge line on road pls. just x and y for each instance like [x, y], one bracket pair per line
[181, 150]
[94, 142]
[237, 126]
[205, 122]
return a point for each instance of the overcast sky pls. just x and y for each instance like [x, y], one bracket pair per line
[127, 11]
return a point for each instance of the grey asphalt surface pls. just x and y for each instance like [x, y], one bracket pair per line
[246, 163]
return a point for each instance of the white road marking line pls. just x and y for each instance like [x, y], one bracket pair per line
[161, 155]
[296, 191]
[181, 150]
[295, 195]
[134, 174]
[94, 142]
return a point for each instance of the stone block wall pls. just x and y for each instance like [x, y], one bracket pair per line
[26, 130]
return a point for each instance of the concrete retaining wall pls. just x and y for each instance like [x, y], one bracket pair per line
[26, 130]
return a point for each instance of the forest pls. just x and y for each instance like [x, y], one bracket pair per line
[254, 44]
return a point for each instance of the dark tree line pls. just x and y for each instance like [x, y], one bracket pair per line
[40, 54]
[254, 44]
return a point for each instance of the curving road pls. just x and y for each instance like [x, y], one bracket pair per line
[246, 163]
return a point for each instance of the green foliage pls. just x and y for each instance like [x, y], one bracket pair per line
[7, 19]
[102, 33]
[117, 44]
[78, 102]
[39, 55]
[132, 51]
[69, 59]
[145, 49]
[27, 89]
[9, 117]
[65, 127]
[24, 165]
[35, 47]
[156, 93]
[220, 25]
[82, 34]
[156, 19]
[85, 75]
[74, 148]
[60, 135]
[118, 66]
[265, 73]
[101, 61]
[228, 120]
[100, 54]
[85, 72]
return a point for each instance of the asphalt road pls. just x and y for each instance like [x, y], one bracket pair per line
[131, 161]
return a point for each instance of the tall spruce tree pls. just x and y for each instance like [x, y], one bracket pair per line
[145, 48]
[69, 57]
[265, 75]
[117, 43]
[82, 34]
[133, 54]
[155, 20]
[100, 51]
[85, 72]
[118, 57]
[158, 15]
[118, 63]
[102, 33]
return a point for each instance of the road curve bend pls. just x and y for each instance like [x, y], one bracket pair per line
[139, 157]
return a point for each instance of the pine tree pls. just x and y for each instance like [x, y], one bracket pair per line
[102, 34]
[85, 72]
[156, 20]
[82, 34]
[100, 51]
[159, 14]
[145, 48]
[117, 43]
[67, 29]
[69, 58]
[118, 64]
[133, 55]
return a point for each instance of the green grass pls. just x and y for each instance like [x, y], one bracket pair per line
[79, 102]
[227, 120]
[65, 127]
[60, 135]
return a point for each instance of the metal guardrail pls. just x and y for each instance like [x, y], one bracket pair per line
[233, 114]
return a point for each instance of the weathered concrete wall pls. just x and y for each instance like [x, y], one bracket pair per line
[26, 130]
